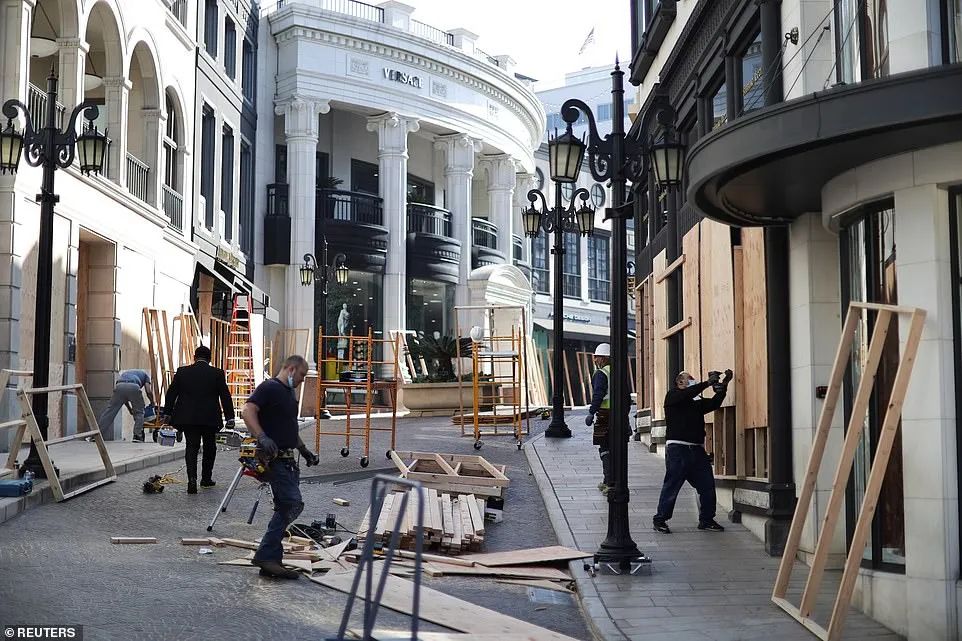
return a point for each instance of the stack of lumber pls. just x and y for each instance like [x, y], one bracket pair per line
[452, 473]
[452, 523]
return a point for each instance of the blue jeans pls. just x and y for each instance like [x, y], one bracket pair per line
[687, 463]
[284, 478]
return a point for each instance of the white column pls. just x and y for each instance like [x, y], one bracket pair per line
[300, 129]
[15, 21]
[459, 150]
[154, 121]
[524, 182]
[501, 171]
[73, 60]
[117, 90]
[392, 156]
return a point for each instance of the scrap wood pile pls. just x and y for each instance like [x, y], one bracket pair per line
[452, 524]
[452, 473]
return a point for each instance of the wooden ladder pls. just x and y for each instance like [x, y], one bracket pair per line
[160, 353]
[240, 355]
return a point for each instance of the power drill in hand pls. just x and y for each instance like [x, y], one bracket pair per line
[721, 386]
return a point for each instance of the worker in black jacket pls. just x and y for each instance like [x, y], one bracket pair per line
[685, 456]
[193, 404]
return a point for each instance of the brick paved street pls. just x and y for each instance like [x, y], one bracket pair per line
[58, 565]
[700, 585]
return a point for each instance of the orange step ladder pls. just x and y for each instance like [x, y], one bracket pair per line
[240, 354]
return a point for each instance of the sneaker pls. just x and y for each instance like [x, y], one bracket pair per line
[208, 483]
[138, 439]
[191, 487]
[660, 526]
[275, 570]
[711, 526]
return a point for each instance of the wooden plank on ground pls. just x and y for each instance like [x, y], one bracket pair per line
[538, 583]
[519, 572]
[446, 611]
[549, 554]
[188, 541]
[132, 540]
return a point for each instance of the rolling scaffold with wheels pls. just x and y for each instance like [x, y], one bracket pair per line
[358, 374]
[499, 376]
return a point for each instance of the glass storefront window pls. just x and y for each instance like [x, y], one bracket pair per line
[846, 41]
[875, 31]
[719, 107]
[362, 297]
[870, 259]
[955, 30]
[540, 274]
[430, 307]
[752, 81]
[572, 265]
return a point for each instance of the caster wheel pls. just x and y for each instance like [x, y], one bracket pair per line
[477, 445]
[210, 528]
[519, 445]
[345, 451]
[155, 436]
[587, 567]
[387, 455]
[364, 461]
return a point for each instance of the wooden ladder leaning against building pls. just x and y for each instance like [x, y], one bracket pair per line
[240, 355]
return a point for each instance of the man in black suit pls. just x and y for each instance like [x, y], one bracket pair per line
[192, 406]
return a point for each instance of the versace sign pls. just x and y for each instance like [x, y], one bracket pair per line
[402, 77]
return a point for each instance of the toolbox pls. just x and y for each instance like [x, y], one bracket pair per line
[15, 487]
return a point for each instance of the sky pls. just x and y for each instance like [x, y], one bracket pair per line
[543, 36]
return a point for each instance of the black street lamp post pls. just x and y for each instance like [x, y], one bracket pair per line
[52, 149]
[324, 273]
[565, 154]
[617, 158]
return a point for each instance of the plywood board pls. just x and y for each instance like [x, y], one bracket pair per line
[659, 349]
[445, 610]
[132, 540]
[520, 572]
[549, 554]
[538, 583]
[691, 299]
[717, 261]
[756, 334]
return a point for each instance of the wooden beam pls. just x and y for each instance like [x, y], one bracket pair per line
[674, 329]
[678, 262]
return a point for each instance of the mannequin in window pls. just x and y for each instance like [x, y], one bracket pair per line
[343, 325]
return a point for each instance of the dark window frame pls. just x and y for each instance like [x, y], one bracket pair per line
[597, 292]
[280, 164]
[207, 145]
[211, 28]
[946, 26]
[955, 271]
[249, 71]
[358, 166]
[227, 180]
[572, 246]
[246, 214]
[542, 268]
[230, 48]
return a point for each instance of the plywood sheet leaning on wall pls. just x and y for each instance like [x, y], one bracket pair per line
[755, 357]
[660, 347]
[643, 312]
[691, 298]
[717, 303]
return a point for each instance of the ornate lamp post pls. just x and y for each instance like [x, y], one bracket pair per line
[324, 273]
[51, 149]
[617, 158]
[565, 154]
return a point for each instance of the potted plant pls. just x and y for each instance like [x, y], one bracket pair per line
[439, 392]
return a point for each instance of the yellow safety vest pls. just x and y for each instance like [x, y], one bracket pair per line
[605, 402]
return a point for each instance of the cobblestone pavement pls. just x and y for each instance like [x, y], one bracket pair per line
[58, 565]
[700, 585]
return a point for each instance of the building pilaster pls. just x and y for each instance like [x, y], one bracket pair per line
[16, 16]
[300, 129]
[459, 150]
[154, 122]
[392, 157]
[117, 94]
[501, 170]
[73, 61]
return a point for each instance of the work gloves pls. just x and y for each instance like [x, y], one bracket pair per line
[720, 386]
[310, 457]
[267, 445]
[229, 424]
[589, 419]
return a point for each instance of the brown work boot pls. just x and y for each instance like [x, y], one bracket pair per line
[275, 570]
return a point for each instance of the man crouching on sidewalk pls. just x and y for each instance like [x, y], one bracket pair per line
[270, 415]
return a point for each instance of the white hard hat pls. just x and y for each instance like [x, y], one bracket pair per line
[603, 350]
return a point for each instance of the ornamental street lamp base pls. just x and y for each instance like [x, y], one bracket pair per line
[629, 565]
[557, 430]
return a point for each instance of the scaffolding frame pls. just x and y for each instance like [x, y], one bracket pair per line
[369, 382]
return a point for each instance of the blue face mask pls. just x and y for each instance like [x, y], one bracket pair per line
[290, 381]
[692, 382]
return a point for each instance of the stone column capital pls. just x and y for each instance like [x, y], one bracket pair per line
[73, 43]
[300, 115]
[117, 82]
[502, 170]
[459, 150]
[523, 183]
[392, 131]
[153, 115]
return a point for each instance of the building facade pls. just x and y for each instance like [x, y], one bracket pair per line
[405, 148]
[822, 168]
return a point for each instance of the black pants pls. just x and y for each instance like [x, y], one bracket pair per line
[194, 436]
[687, 463]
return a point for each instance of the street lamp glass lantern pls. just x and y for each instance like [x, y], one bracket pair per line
[91, 148]
[307, 274]
[532, 222]
[667, 156]
[11, 146]
[585, 216]
[565, 154]
[341, 273]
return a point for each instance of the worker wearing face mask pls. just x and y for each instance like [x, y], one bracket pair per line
[685, 455]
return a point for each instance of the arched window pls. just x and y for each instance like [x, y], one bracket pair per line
[170, 146]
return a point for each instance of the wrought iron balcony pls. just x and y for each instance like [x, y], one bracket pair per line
[485, 233]
[428, 219]
[349, 207]
[174, 208]
[138, 175]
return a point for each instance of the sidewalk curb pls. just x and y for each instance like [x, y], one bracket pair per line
[600, 622]
[43, 493]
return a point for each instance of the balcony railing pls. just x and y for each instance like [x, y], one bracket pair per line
[179, 9]
[174, 208]
[138, 174]
[349, 207]
[428, 219]
[485, 233]
[517, 248]
[422, 30]
[481, 55]
[37, 106]
[351, 8]
[572, 285]
[277, 199]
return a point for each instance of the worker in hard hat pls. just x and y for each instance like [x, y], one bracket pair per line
[600, 410]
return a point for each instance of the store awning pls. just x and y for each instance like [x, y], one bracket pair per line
[583, 331]
[237, 283]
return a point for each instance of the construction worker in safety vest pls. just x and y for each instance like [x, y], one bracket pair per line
[600, 410]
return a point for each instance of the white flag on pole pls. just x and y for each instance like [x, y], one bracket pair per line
[588, 41]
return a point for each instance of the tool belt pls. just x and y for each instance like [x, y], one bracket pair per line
[287, 453]
[599, 432]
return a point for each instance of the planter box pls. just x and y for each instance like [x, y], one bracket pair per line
[443, 398]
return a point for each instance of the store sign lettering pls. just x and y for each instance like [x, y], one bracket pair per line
[403, 78]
